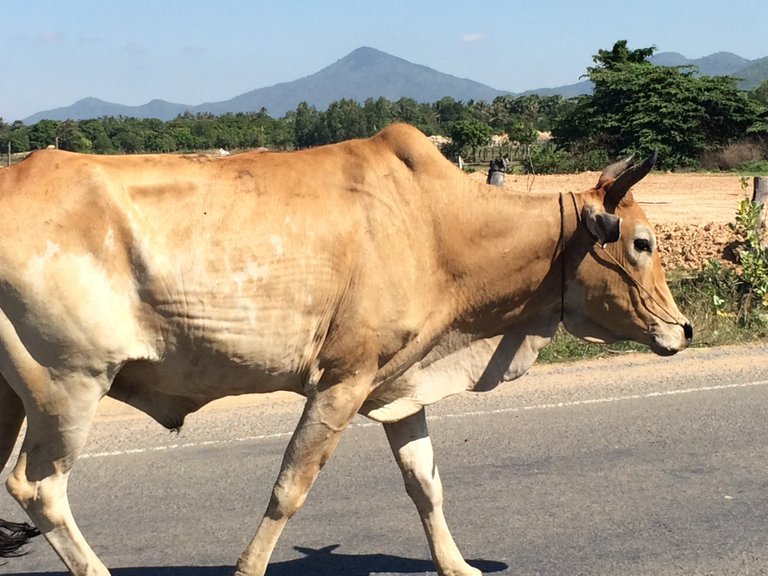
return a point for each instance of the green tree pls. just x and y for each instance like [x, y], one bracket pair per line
[128, 137]
[378, 114]
[94, 131]
[43, 134]
[620, 55]
[448, 110]
[422, 116]
[71, 138]
[521, 132]
[501, 114]
[19, 137]
[639, 107]
[344, 120]
[760, 94]
[467, 136]
[306, 126]
[479, 110]
[281, 135]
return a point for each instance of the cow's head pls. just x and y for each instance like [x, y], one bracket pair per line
[614, 285]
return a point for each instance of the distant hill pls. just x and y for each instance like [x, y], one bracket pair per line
[751, 73]
[95, 108]
[567, 91]
[717, 64]
[364, 73]
[370, 73]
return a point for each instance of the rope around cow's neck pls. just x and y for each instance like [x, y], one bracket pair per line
[642, 289]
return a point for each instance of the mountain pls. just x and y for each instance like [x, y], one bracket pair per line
[369, 73]
[567, 91]
[364, 73]
[717, 64]
[753, 74]
[95, 108]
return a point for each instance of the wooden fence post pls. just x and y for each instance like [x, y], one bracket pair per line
[760, 196]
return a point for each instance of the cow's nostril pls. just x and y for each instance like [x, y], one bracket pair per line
[688, 331]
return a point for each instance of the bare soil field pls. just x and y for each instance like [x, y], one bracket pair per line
[690, 212]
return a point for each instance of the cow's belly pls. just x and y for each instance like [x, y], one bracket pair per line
[217, 350]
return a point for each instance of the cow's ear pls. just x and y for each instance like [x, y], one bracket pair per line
[603, 227]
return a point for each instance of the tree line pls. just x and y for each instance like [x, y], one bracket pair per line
[304, 127]
[635, 107]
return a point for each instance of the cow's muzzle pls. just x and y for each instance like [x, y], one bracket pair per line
[673, 339]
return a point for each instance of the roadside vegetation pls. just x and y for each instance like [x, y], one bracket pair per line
[694, 122]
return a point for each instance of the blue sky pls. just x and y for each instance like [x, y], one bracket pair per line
[190, 51]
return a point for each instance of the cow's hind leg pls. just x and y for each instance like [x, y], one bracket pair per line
[326, 414]
[412, 447]
[57, 426]
[13, 535]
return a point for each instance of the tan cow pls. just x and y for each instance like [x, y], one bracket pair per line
[370, 276]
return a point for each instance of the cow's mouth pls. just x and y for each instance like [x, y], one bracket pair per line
[676, 337]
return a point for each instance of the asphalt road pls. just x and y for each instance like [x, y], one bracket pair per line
[632, 465]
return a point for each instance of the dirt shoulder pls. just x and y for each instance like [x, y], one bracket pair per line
[691, 199]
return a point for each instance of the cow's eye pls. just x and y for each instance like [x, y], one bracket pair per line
[642, 245]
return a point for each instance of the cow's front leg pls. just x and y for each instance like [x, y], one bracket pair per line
[412, 447]
[326, 414]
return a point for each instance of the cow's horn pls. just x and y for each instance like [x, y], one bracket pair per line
[617, 168]
[628, 178]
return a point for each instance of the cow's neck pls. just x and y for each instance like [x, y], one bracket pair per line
[500, 257]
[504, 251]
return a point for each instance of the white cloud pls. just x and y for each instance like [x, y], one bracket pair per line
[474, 37]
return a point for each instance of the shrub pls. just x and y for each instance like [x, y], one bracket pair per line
[741, 290]
[548, 160]
[734, 156]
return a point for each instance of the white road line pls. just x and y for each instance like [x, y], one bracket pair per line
[606, 400]
[510, 410]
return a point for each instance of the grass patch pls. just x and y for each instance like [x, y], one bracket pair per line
[567, 348]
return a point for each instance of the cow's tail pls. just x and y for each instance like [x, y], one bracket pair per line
[13, 535]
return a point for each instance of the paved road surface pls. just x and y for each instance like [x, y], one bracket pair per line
[633, 465]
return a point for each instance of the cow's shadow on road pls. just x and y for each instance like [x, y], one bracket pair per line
[319, 562]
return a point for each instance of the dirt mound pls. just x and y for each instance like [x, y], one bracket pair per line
[691, 246]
